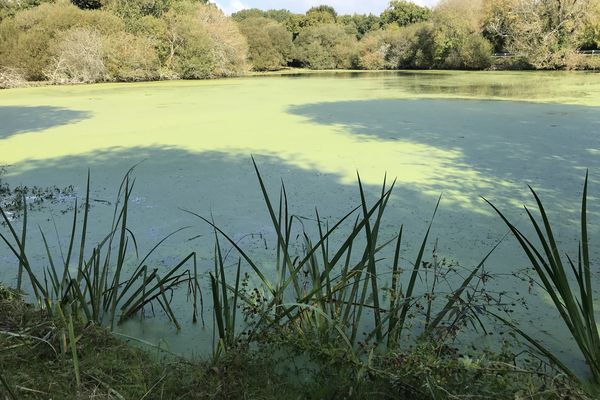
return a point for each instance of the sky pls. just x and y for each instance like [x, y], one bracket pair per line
[341, 6]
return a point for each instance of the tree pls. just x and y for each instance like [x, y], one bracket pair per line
[323, 10]
[8, 8]
[247, 13]
[546, 32]
[320, 15]
[31, 40]
[270, 44]
[201, 42]
[389, 48]
[280, 16]
[325, 46]
[79, 58]
[497, 21]
[88, 4]
[360, 24]
[404, 13]
[449, 40]
[135, 9]
[128, 57]
[590, 34]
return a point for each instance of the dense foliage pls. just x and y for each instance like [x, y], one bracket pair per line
[131, 40]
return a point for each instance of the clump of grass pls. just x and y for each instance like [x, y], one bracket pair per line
[99, 285]
[330, 292]
[567, 282]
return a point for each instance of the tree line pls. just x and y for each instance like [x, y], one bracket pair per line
[133, 40]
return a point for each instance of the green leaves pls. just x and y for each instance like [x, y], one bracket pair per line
[568, 284]
[105, 289]
[331, 290]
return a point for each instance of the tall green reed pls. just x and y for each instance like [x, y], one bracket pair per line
[103, 286]
[567, 282]
[332, 290]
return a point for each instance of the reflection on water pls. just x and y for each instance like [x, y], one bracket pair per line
[529, 85]
[438, 132]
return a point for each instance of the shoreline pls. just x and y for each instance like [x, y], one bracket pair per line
[307, 72]
[42, 359]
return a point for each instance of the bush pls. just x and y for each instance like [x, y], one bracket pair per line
[79, 58]
[270, 44]
[326, 46]
[11, 78]
[390, 48]
[31, 40]
[199, 41]
[130, 58]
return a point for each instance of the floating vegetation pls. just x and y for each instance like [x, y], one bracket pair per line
[14, 200]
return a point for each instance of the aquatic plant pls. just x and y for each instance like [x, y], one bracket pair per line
[328, 292]
[569, 284]
[101, 287]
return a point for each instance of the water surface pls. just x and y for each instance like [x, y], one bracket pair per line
[460, 134]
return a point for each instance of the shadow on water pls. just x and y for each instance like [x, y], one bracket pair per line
[213, 184]
[224, 186]
[508, 143]
[17, 119]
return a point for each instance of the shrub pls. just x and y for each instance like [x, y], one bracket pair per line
[389, 48]
[11, 78]
[326, 46]
[79, 58]
[199, 41]
[130, 58]
[270, 44]
[31, 40]
[229, 46]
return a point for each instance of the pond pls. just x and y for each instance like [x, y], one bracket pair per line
[460, 134]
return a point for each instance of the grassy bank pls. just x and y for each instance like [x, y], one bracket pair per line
[37, 364]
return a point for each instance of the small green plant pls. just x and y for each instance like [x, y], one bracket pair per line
[569, 284]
